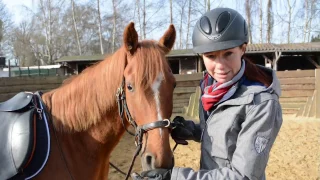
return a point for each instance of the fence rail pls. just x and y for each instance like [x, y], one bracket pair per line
[300, 90]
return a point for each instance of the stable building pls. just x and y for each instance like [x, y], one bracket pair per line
[279, 57]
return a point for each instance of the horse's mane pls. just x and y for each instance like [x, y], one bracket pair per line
[89, 97]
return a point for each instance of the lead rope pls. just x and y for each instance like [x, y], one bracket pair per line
[139, 146]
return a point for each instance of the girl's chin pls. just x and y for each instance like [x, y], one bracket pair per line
[222, 79]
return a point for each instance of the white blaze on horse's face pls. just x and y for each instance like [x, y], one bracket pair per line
[155, 88]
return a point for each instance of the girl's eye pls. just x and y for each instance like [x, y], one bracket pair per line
[227, 54]
[211, 56]
[130, 88]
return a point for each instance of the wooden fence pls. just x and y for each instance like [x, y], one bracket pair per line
[300, 91]
[13, 85]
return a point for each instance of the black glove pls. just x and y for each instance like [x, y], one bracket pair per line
[183, 130]
[155, 174]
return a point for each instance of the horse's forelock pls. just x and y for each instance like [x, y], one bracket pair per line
[150, 63]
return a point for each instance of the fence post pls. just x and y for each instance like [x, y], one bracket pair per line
[317, 88]
[9, 67]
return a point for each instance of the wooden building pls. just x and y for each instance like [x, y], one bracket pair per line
[280, 57]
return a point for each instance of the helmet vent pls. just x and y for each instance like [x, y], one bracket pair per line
[222, 21]
[205, 25]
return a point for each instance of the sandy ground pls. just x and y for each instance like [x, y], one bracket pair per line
[294, 156]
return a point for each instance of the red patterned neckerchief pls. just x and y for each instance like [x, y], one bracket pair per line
[213, 94]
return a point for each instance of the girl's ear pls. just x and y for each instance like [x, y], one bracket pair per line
[244, 48]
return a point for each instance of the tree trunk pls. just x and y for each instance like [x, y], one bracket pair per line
[306, 20]
[181, 20]
[188, 25]
[208, 5]
[260, 19]
[114, 25]
[248, 14]
[100, 28]
[144, 19]
[75, 27]
[269, 21]
[48, 24]
[139, 19]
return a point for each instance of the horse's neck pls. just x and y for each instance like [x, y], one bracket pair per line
[90, 149]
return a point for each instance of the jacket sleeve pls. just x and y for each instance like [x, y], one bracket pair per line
[255, 139]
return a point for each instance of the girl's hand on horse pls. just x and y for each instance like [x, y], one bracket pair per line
[155, 174]
[183, 130]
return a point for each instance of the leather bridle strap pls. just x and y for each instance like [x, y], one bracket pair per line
[140, 130]
[158, 124]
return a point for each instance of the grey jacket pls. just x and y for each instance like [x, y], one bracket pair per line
[237, 137]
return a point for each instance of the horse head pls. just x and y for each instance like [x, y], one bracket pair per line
[149, 84]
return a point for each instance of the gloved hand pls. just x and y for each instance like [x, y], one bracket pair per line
[183, 130]
[155, 174]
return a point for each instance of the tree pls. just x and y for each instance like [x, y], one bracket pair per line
[249, 21]
[260, 20]
[315, 38]
[99, 26]
[114, 24]
[270, 21]
[188, 24]
[290, 11]
[75, 27]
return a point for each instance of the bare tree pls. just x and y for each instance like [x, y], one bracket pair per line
[46, 9]
[248, 15]
[139, 17]
[114, 24]
[188, 24]
[181, 5]
[269, 21]
[144, 19]
[290, 11]
[75, 27]
[310, 13]
[260, 20]
[208, 5]
[99, 26]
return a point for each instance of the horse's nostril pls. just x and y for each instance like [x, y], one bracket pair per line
[149, 159]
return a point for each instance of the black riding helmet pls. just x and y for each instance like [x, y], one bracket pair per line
[219, 29]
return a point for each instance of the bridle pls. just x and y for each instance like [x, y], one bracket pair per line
[139, 130]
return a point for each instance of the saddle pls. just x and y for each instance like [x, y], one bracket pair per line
[24, 136]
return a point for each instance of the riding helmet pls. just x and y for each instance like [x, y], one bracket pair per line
[219, 29]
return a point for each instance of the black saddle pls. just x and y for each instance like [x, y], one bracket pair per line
[22, 131]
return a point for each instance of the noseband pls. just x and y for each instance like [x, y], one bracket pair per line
[139, 130]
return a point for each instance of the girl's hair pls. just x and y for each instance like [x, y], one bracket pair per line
[254, 73]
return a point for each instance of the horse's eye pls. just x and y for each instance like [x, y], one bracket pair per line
[130, 88]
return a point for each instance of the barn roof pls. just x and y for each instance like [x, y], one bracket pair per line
[251, 49]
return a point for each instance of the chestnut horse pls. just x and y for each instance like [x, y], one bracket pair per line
[85, 112]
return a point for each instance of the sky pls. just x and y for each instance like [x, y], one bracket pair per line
[16, 9]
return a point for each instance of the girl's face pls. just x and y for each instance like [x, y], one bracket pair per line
[225, 64]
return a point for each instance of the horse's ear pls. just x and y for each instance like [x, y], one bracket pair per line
[167, 40]
[130, 38]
